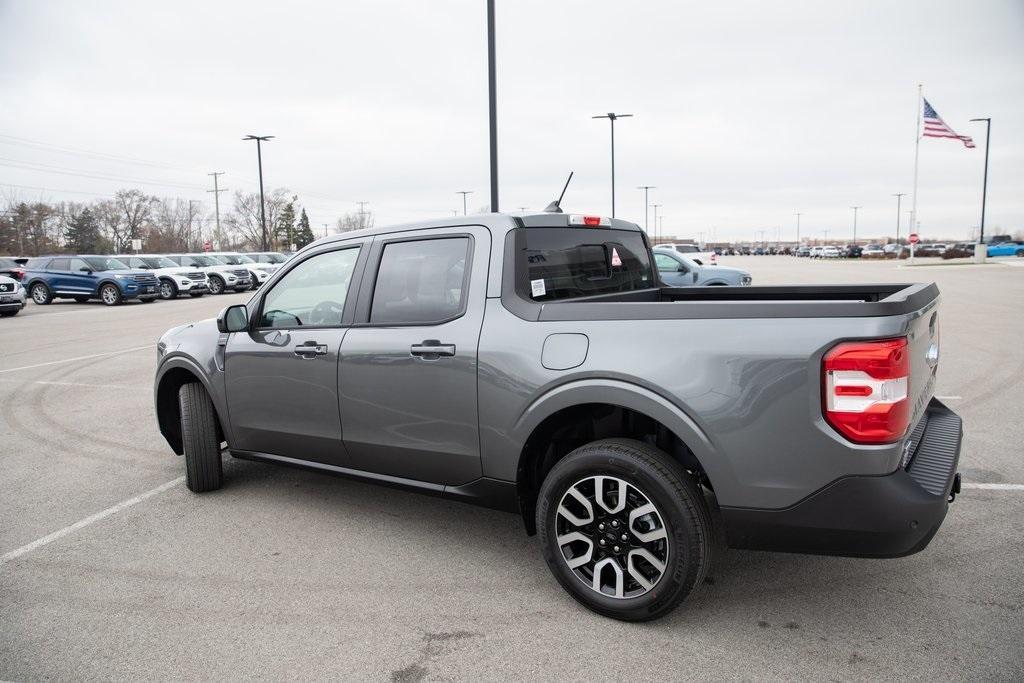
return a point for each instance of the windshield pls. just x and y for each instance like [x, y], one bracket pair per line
[99, 263]
[204, 260]
[274, 258]
[159, 262]
[242, 258]
[217, 260]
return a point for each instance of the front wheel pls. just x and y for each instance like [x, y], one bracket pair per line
[168, 290]
[203, 465]
[110, 294]
[41, 294]
[255, 281]
[624, 529]
[1019, 253]
[216, 285]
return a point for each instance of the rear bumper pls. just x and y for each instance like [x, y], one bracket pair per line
[866, 516]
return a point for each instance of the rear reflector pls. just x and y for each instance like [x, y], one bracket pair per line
[866, 390]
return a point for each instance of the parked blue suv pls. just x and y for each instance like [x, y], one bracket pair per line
[87, 277]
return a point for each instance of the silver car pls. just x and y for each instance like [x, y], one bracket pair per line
[676, 270]
[12, 296]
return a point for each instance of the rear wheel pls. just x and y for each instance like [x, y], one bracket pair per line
[203, 465]
[216, 285]
[110, 294]
[41, 294]
[168, 290]
[1019, 252]
[624, 529]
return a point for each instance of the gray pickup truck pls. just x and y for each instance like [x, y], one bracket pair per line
[536, 364]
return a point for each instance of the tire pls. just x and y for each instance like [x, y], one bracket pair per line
[255, 281]
[196, 295]
[215, 284]
[41, 294]
[110, 294]
[168, 290]
[679, 528]
[1019, 253]
[203, 465]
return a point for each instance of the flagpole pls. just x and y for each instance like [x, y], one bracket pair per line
[917, 150]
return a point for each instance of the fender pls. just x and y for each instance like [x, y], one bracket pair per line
[177, 359]
[634, 397]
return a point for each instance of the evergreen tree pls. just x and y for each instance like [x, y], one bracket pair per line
[304, 235]
[285, 228]
[82, 233]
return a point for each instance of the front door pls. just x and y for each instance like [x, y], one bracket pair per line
[282, 375]
[408, 369]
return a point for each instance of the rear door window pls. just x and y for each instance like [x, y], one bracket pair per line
[565, 263]
[59, 264]
[421, 281]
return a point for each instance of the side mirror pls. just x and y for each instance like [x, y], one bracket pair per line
[233, 319]
[86, 269]
[681, 269]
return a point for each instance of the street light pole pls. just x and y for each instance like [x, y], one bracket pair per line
[798, 228]
[855, 223]
[655, 207]
[984, 183]
[612, 116]
[263, 203]
[492, 105]
[899, 198]
[645, 188]
[464, 193]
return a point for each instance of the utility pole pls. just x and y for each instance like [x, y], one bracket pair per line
[855, 208]
[325, 229]
[660, 225]
[492, 105]
[826, 235]
[984, 183]
[798, 228]
[216, 196]
[362, 213]
[655, 207]
[464, 193]
[263, 203]
[611, 116]
[645, 188]
[899, 198]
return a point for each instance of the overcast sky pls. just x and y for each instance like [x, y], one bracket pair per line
[744, 112]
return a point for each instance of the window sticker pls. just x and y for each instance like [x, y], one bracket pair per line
[537, 288]
[616, 261]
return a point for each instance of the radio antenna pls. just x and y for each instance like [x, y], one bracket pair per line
[556, 206]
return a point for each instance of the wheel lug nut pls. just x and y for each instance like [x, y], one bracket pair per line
[616, 548]
[615, 523]
[603, 542]
[624, 537]
[601, 526]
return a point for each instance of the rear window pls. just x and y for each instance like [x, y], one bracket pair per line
[566, 263]
[687, 249]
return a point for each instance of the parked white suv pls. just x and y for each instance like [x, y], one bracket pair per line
[694, 253]
[219, 277]
[259, 272]
[830, 252]
[174, 279]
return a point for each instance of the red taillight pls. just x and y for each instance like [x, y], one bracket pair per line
[866, 389]
[592, 220]
[18, 273]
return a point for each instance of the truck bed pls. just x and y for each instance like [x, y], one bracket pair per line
[790, 301]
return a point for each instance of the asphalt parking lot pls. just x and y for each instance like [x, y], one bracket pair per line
[289, 574]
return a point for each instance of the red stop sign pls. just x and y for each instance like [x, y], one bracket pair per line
[914, 239]
[209, 247]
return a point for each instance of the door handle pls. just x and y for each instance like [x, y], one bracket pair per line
[310, 349]
[431, 349]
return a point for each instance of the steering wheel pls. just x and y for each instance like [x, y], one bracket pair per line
[326, 313]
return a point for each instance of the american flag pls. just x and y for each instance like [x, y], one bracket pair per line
[935, 127]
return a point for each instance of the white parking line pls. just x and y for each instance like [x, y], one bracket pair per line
[92, 519]
[992, 487]
[949, 398]
[72, 384]
[72, 360]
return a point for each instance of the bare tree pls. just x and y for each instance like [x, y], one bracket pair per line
[122, 218]
[244, 220]
[173, 226]
[355, 221]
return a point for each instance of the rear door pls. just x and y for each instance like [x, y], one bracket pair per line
[57, 275]
[281, 375]
[408, 380]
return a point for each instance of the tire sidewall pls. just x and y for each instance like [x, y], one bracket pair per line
[683, 569]
[117, 294]
[219, 288]
[48, 296]
[171, 288]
